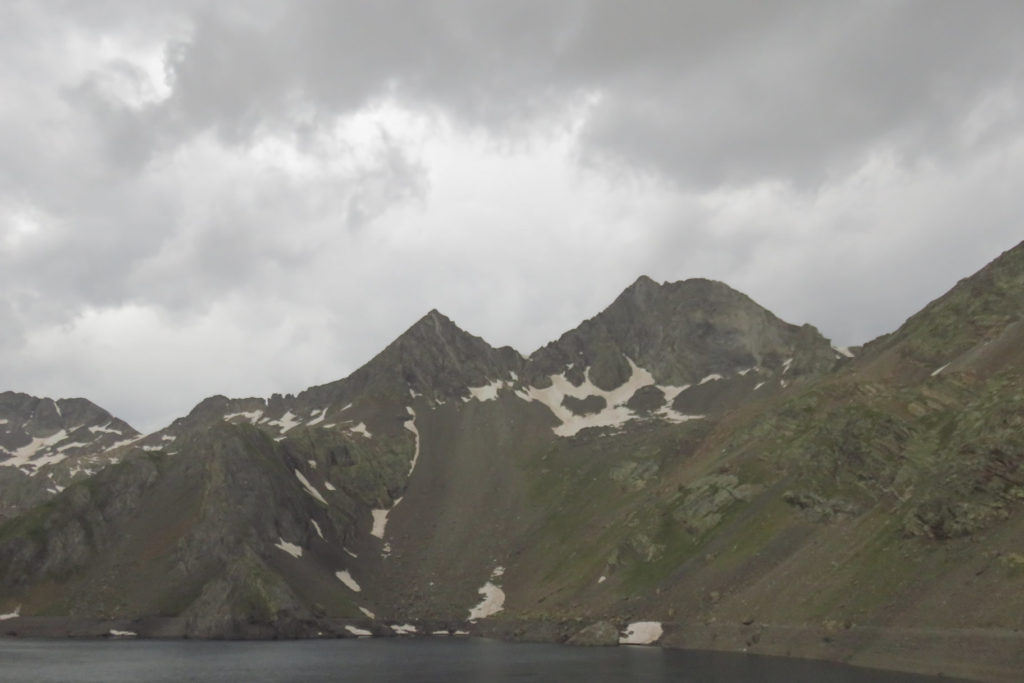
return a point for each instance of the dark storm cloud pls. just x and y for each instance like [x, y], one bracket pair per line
[706, 93]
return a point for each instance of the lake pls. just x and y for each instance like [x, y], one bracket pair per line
[469, 659]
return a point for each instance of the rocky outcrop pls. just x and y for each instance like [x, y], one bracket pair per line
[598, 634]
[701, 504]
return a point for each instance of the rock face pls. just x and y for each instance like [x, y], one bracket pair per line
[683, 332]
[433, 358]
[684, 454]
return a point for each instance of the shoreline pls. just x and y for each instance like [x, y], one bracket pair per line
[995, 655]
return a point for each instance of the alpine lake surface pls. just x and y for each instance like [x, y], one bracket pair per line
[462, 659]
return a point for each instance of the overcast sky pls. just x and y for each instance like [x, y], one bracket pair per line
[248, 197]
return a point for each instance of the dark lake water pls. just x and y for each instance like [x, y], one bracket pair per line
[400, 660]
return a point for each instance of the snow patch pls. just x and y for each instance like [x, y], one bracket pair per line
[403, 629]
[290, 548]
[11, 615]
[713, 377]
[488, 392]
[361, 429]
[602, 579]
[786, 364]
[347, 579]
[168, 437]
[251, 416]
[312, 464]
[317, 527]
[615, 412]
[286, 422]
[843, 351]
[329, 486]
[350, 553]
[410, 424]
[318, 419]
[493, 602]
[937, 371]
[309, 487]
[368, 613]
[122, 634]
[125, 442]
[26, 455]
[758, 386]
[380, 520]
[641, 633]
[669, 415]
[358, 632]
[105, 429]
[671, 392]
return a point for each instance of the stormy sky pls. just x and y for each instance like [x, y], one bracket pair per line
[249, 197]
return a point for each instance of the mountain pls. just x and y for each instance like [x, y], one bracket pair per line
[683, 458]
[47, 444]
[711, 342]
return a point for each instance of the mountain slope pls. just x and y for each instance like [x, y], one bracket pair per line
[682, 457]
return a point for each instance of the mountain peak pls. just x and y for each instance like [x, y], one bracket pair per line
[434, 314]
[643, 282]
[435, 328]
[697, 291]
[437, 321]
[433, 357]
[682, 332]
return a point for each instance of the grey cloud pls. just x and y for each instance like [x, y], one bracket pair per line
[703, 93]
[118, 217]
[127, 138]
[815, 92]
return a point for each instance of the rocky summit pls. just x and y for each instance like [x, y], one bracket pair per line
[45, 445]
[682, 469]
